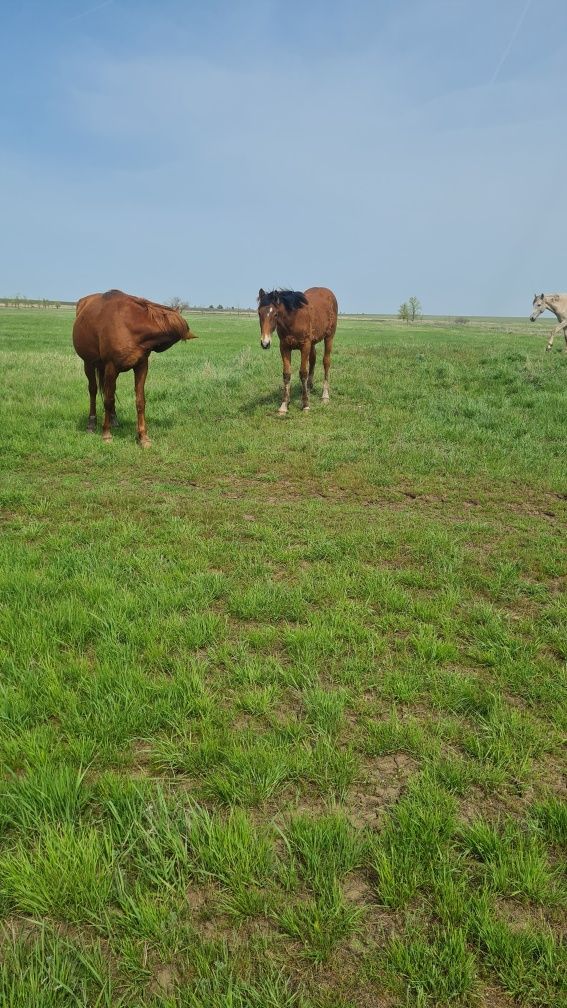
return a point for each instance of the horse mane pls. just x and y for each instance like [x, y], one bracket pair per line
[167, 319]
[291, 300]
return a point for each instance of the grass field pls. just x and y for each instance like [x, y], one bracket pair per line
[283, 700]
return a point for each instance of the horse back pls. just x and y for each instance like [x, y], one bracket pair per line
[323, 309]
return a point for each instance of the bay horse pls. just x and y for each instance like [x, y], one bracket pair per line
[302, 319]
[115, 332]
[556, 303]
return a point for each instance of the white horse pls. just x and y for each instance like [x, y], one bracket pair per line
[556, 303]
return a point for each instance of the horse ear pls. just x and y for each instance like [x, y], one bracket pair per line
[542, 295]
[261, 293]
[276, 298]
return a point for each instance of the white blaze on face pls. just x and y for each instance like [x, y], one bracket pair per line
[267, 336]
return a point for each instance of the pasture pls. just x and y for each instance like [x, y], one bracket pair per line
[283, 699]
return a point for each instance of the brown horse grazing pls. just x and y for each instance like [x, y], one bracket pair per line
[302, 320]
[116, 332]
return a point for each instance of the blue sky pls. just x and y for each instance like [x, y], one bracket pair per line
[382, 148]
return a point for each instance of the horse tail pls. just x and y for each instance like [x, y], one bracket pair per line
[100, 373]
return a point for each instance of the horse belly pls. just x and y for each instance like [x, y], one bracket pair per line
[119, 346]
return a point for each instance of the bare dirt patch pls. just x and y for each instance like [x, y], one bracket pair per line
[384, 780]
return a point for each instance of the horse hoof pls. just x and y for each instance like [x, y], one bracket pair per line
[144, 442]
[325, 400]
[107, 437]
[306, 409]
[91, 430]
[282, 412]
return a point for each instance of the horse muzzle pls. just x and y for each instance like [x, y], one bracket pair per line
[533, 318]
[265, 344]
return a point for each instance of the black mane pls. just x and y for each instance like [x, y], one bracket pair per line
[291, 300]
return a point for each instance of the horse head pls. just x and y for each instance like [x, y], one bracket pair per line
[268, 304]
[538, 306]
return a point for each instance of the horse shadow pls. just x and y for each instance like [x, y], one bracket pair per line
[251, 405]
[126, 428]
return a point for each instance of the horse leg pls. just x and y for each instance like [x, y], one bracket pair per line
[327, 366]
[113, 417]
[110, 375]
[90, 371]
[312, 360]
[286, 361]
[140, 373]
[304, 373]
[552, 336]
[562, 327]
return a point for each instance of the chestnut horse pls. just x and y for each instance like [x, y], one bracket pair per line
[116, 332]
[302, 320]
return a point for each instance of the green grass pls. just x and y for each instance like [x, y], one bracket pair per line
[282, 701]
[435, 968]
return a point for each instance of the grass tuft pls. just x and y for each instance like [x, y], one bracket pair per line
[69, 873]
[432, 969]
[320, 925]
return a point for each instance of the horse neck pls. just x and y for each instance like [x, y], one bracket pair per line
[161, 341]
[557, 303]
[286, 321]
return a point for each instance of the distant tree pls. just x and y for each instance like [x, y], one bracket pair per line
[461, 320]
[220, 307]
[404, 312]
[211, 307]
[414, 308]
[178, 304]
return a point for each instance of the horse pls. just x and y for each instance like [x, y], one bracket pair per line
[556, 303]
[115, 332]
[302, 320]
